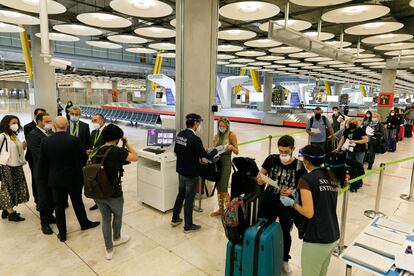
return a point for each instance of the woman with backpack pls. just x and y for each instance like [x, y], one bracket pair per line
[316, 200]
[393, 125]
[375, 138]
[14, 189]
[222, 138]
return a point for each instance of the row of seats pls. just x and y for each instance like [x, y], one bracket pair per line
[133, 117]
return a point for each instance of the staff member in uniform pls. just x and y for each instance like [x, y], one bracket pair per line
[318, 193]
[189, 150]
[34, 139]
[98, 123]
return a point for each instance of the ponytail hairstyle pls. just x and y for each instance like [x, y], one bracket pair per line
[316, 157]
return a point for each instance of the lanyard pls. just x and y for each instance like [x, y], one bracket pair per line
[74, 131]
[95, 151]
[97, 138]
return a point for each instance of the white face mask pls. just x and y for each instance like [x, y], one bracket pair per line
[14, 127]
[285, 158]
[48, 127]
[74, 119]
[222, 129]
[96, 126]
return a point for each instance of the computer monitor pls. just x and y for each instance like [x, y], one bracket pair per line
[160, 137]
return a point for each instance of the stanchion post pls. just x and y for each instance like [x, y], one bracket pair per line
[200, 190]
[376, 212]
[341, 243]
[348, 271]
[410, 195]
[270, 144]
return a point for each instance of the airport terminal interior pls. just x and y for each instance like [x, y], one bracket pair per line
[267, 66]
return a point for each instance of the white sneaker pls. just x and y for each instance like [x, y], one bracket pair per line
[286, 267]
[109, 254]
[122, 240]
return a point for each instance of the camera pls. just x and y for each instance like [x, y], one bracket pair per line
[60, 63]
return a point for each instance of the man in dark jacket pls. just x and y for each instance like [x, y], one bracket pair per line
[189, 150]
[27, 129]
[81, 130]
[34, 139]
[60, 166]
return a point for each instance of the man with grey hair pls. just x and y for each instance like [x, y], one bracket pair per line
[60, 167]
[79, 129]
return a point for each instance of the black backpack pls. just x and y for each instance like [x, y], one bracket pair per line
[95, 180]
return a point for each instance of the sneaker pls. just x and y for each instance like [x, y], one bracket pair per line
[109, 254]
[122, 240]
[176, 222]
[192, 228]
[15, 217]
[286, 267]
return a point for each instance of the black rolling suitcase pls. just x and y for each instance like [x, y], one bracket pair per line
[354, 169]
[335, 161]
[243, 180]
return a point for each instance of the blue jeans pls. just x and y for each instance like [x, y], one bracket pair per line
[186, 192]
[107, 207]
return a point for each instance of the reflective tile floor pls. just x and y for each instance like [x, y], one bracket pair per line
[156, 248]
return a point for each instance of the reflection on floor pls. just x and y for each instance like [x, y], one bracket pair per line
[158, 249]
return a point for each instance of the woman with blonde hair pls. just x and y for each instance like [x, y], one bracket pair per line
[224, 137]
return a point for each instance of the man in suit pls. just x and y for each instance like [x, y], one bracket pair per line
[79, 129]
[60, 166]
[34, 139]
[98, 123]
[27, 129]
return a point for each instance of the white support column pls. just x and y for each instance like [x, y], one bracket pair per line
[197, 24]
[387, 85]
[267, 92]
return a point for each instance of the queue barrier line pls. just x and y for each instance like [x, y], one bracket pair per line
[269, 137]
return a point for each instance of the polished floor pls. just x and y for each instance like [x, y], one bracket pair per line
[156, 248]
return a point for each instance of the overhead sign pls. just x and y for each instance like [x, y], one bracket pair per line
[386, 99]
[170, 97]
[294, 99]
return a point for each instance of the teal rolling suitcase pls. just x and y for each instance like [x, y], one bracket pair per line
[233, 259]
[263, 249]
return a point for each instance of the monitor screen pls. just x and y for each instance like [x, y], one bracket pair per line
[160, 137]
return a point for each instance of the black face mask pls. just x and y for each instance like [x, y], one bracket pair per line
[318, 116]
[352, 126]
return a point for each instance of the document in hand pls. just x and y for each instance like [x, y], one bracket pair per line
[369, 130]
[315, 130]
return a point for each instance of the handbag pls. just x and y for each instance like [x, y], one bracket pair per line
[211, 170]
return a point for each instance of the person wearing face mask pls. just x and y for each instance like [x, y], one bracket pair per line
[355, 153]
[13, 189]
[393, 125]
[316, 201]
[26, 130]
[286, 171]
[67, 109]
[189, 150]
[337, 119]
[34, 139]
[367, 119]
[81, 130]
[320, 130]
[98, 124]
[224, 137]
[374, 139]
[59, 107]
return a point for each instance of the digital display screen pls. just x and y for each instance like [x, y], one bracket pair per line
[160, 137]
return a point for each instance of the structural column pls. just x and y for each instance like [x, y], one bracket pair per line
[89, 93]
[337, 89]
[267, 92]
[197, 23]
[44, 81]
[149, 95]
[387, 85]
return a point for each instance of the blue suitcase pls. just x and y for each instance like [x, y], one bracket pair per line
[233, 259]
[263, 249]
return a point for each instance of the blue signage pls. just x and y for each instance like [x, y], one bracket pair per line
[294, 99]
[170, 97]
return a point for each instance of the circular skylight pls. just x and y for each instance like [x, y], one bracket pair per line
[61, 37]
[155, 31]
[372, 28]
[139, 50]
[223, 56]
[249, 10]
[250, 53]
[262, 43]
[220, 62]
[361, 60]
[9, 28]
[318, 3]
[252, 67]
[353, 50]
[103, 44]
[14, 17]
[53, 7]
[303, 55]
[298, 25]
[260, 63]
[397, 53]
[337, 43]
[317, 59]
[242, 60]
[103, 20]
[236, 34]
[270, 58]
[275, 66]
[287, 61]
[355, 13]
[127, 39]
[163, 46]
[395, 46]
[142, 8]
[229, 48]
[323, 36]
[285, 50]
[234, 65]
[76, 29]
[386, 38]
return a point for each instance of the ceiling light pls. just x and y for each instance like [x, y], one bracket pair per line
[375, 25]
[157, 29]
[142, 4]
[249, 7]
[234, 32]
[105, 17]
[354, 10]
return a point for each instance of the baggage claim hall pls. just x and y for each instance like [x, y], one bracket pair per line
[207, 137]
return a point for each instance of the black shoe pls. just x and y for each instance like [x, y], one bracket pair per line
[94, 207]
[62, 237]
[89, 225]
[15, 217]
[4, 214]
[47, 230]
[52, 220]
[192, 228]
[176, 222]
